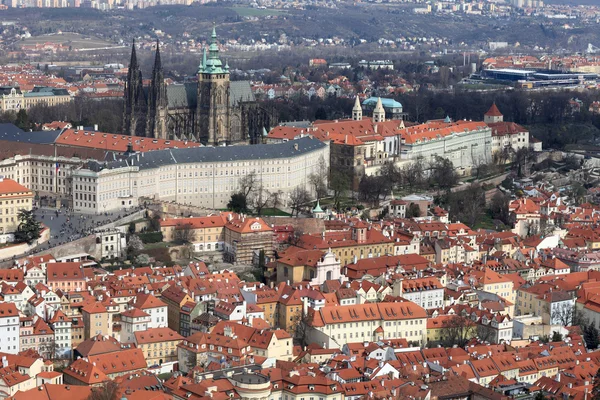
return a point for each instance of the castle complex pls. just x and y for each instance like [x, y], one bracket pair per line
[213, 110]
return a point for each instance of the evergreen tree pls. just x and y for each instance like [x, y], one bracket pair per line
[22, 120]
[29, 229]
[590, 335]
[596, 388]
[238, 203]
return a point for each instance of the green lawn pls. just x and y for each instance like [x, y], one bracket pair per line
[255, 12]
[274, 212]
[486, 222]
[158, 245]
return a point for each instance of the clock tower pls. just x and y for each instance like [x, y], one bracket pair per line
[213, 97]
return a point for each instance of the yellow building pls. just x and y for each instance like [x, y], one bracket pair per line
[158, 344]
[46, 96]
[96, 320]
[492, 282]
[11, 99]
[438, 328]
[275, 344]
[205, 233]
[13, 198]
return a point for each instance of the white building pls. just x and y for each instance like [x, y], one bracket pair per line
[426, 292]
[113, 243]
[335, 326]
[203, 176]
[465, 143]
[153, 307]
[40, 174]
[9, 328]
[133, 320]
[328, 268]
[62, 326]
[506, 136]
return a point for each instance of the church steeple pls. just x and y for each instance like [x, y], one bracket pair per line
[379, 112]
[134, 98]
[213, 96]
[357, 110]
[157, 100]
[213, 64]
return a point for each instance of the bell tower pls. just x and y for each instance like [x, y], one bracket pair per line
[213, 97]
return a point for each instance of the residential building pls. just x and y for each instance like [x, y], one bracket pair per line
[65, 276]
[158, 344]
[9, 328]
[62, 326]
[175, 298]
[154, 307]
[96, 320]
[335, 326]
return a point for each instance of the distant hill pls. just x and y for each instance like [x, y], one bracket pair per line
[574, 2]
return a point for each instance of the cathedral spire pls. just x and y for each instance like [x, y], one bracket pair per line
[157, 100]
[133, 62]
[203, 65]
[213, 64]
[157, 61]
[134, 97]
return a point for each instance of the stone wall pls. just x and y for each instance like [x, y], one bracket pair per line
[14, 250]
[171, 209]
[306, 225]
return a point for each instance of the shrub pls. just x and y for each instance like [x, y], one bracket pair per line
[151, 237]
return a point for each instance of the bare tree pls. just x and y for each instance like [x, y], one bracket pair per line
[107, 391]
[458, 331]
[50, 349]
[298, 197]
[264, 198]
[183, 233]
[301, 327]
[248, 184]
[485, 333]
[319, 186]
[339, 184]
[318, 180]
[562, 313]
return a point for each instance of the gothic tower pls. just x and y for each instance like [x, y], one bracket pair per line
[213, 97]
[156, 118]
[133, 114]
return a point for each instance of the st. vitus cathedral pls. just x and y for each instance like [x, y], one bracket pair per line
[212, 111]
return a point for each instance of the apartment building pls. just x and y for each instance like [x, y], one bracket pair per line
[9, 329]
[158, 344]
[66, 276]
[204, 176]
[156, 309]
[96, 320]
[335, 326]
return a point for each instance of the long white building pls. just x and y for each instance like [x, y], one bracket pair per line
[205, 176]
